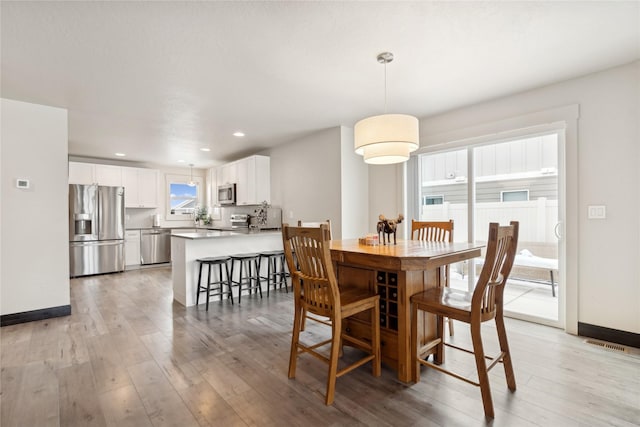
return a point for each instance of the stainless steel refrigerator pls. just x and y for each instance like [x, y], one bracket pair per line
[96, 229]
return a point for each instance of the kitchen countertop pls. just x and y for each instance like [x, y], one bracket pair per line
[211, 234]
[183, 227]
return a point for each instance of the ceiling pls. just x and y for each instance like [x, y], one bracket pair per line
[161, 80]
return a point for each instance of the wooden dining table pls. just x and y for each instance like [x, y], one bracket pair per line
[396, 272]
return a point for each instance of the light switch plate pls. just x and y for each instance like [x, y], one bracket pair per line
[597, 212]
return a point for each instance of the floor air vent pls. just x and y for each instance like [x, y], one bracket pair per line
[607, 345]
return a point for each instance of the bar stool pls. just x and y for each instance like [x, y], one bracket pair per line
[249, 265]
[218, 284]
[274, 275]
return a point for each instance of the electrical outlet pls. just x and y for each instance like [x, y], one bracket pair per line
[597, 212]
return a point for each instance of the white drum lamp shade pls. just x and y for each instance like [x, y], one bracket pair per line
[386, 139]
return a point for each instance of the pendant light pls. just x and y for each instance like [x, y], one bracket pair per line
[191, 182]
[387, 138]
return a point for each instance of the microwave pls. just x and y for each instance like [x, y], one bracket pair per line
[227, 194]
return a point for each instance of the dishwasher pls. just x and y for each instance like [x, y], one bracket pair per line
[155, 246]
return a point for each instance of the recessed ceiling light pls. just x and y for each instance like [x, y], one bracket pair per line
[181, 161]
[238, 134]
[120, 154]
[205, 149]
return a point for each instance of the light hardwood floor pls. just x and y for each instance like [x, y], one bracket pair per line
[129, 356]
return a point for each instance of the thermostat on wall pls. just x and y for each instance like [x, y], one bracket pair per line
[22, 183]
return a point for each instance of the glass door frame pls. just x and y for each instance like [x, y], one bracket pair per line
[471, 217]
[562, 119]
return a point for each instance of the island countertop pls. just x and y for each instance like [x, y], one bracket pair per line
[212, 234]
[187, 248]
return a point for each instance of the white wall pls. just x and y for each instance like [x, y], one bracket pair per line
[305, 179]
[386, 196]
[355, 190]
[34, 223]
[606, 252]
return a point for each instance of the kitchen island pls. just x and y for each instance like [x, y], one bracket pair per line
[186, 248]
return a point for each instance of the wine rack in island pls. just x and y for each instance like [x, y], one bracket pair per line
[387, 284]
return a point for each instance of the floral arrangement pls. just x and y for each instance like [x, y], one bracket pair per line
[261, 213]
[202, 215]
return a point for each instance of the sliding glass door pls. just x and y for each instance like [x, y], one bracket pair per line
[501, 182]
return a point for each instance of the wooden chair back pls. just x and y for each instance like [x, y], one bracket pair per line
[432, 231]
[315, 224]
[313, 277]
[501, 251]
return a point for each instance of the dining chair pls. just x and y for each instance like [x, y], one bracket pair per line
[435, 231]
[306, 315]
[481, 305]
[316, 291]
[315, 224]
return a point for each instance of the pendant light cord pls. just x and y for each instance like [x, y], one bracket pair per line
[385, 87]
[385, 58]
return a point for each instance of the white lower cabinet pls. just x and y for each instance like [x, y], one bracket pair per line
[132, 248]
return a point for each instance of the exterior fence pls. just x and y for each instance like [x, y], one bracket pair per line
[538, 219]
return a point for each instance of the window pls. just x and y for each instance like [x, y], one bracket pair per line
[432, 200]
[514, 196]
[182, 199]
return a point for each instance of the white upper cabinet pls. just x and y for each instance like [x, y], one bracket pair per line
[140, 187]
[81, 173]
[212, 187]
[108, 175]
[252, 176]
[148, 188]
[253, 185]
[89, 173]
[227, 174]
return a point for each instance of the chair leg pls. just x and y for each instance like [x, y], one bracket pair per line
[415, 365]
[375, 341]
[439, 355]
[220, 282]
[256, 264]
[481, 366]
[504, 347]
[239, 282]
[336, 333]
[229, 284]
[295, 337]
[208, 285]
[283, 274]
[269, 276]
[198, 291]
[232, 262]
[303, 320]
[447, 271]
